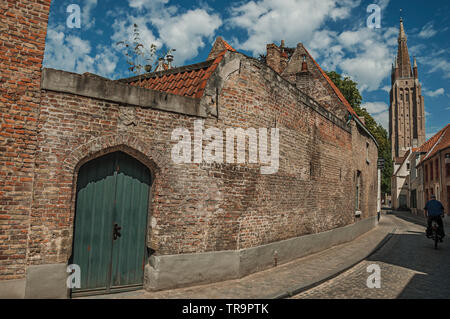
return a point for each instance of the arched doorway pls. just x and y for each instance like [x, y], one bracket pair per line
[111, 224]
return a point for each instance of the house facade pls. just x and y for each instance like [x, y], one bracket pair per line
[435, 165]
[424, 172]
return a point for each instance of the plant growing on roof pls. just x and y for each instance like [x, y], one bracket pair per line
[139, 56]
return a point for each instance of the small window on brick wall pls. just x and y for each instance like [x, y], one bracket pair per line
[358, 190]
[367, 153]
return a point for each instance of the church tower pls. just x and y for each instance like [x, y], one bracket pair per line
[407, 110]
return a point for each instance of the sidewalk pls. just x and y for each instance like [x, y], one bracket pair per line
[418, 218]
[284, 280]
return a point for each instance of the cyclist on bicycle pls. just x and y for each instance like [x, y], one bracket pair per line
[434, 210]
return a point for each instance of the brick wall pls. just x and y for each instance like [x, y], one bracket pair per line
[202, 207]
[23, 26]
[365, 156]
[46, 136]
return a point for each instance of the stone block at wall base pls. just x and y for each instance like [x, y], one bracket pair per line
[169, 271]
[12, 289]
[175, 271]
[46, 282]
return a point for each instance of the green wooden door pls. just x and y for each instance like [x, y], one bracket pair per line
[110, 223]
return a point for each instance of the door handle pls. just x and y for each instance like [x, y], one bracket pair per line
[116, 231]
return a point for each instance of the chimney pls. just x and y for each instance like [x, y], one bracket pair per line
[304, 78]
[169, 58]
[304, 64]
[160, 66]
[273, 58]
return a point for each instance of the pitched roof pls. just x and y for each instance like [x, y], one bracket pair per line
[439, 141]
[227, 46]
[401, 161]
[218, 47]
[189, 80]
[333, 86]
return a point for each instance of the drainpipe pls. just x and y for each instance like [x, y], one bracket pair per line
[379, 194]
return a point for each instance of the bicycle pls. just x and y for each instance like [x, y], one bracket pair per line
[434, 233]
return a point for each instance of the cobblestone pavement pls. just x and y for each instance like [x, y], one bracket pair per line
[287, 277]
[410, 268]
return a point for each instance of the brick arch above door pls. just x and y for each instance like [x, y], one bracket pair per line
[96, 147]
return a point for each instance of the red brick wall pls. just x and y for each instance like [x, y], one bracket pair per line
[23, 26]
[200, 207]
[367, 165]
[46, 136]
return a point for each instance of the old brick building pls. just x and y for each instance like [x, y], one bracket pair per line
[88, 177]
[433, 166]
[407, 109]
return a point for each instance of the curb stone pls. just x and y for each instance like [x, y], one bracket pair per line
[298, 289]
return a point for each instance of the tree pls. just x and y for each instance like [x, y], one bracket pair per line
[350, 91]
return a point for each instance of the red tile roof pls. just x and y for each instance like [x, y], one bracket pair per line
[189, 81]
[227, 46]
[440, 141]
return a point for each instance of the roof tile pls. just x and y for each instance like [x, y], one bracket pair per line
[190, 81]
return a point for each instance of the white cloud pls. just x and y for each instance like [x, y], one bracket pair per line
[369, 54]
[386, 88]
[434, 93]
[295, 20]
[186, 32]
[73, 54]
[364, 54]
[164, 25]
[427, 31]
[87, 20]
[437, 63]
[379, 111]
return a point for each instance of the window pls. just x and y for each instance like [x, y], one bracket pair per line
[425, 171]
[358, 190]
[367, 153]
[407, 166]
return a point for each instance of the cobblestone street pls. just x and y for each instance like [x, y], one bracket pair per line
[410, 268]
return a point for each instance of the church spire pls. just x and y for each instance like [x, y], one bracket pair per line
[404, 62]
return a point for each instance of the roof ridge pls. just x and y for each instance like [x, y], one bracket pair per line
[228, 46]
[176, 70]
[434, 141]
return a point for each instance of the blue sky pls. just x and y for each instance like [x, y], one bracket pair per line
[334, 31]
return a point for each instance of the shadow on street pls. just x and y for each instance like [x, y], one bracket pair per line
[414, 251]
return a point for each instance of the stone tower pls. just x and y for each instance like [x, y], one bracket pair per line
[407, 111]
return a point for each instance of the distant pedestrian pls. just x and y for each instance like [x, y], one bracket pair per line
[434, 210]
